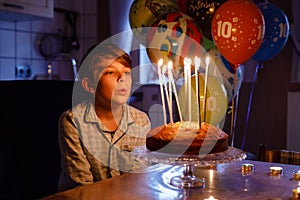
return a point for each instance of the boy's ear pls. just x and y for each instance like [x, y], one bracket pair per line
[87, 85]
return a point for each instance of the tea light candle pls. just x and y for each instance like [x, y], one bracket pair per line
[296, 175]
[211, 198]
[247, 167]
[274, 170]
[296, 193]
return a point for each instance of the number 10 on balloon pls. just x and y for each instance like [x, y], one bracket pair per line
[211, 104]
[215, 104]
[283, 30]
[225, 29]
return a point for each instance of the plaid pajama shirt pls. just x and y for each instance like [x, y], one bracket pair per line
[90, 153]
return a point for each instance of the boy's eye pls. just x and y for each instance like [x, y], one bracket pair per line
[127, 73]
[109, 72]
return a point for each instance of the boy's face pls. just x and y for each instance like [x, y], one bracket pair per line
[114, 84]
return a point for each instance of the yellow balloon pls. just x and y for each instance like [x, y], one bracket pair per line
[143, 14]
[216, 101]
[140, 16]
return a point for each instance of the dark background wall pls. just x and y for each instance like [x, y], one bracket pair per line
[29, 153]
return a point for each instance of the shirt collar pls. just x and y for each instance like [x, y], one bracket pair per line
[127, 119]
[91, 116]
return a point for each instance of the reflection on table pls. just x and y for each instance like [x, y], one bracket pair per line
[223, 181]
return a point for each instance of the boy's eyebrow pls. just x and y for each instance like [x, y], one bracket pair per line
[108, 68]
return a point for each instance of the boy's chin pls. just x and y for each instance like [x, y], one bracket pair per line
[120, 100]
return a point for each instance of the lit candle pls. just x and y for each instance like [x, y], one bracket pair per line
[188, 89]
[207, 60]
[170, 77]
[177, 101]
[197, 63]
[186, 65]
[159, 65]
[190, 92]
[175, 90]
[164, 69]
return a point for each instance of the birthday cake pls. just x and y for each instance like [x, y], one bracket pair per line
[187, 138]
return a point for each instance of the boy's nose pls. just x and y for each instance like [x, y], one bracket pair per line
[122, 77]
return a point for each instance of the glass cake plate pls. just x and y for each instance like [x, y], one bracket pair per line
[188, 179]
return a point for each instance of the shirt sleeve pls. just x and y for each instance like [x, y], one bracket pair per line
[74, 163]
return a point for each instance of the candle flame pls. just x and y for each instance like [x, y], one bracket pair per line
[160, 62]
[207, 60]
[197, 62]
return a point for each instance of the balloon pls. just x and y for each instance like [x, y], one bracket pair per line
[238, 29]
[143, 13]
[208, 44]
[227, 73]
[276, 32]
[216, 100]
[174, 37]
[202, 11]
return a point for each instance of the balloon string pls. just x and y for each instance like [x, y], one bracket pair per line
[234, 118]
[233, 106]
[258, 66]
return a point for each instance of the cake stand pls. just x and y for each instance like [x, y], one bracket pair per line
[188, 179]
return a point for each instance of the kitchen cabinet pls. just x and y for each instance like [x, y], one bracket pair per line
[20, 10]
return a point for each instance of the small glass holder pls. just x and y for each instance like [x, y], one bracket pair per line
[247, 169]
[296, 193]
[275, 171]
[296, 175]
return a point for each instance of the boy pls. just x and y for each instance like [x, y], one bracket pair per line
[97, 135]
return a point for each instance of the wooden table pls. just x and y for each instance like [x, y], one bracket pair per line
[224, 181]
